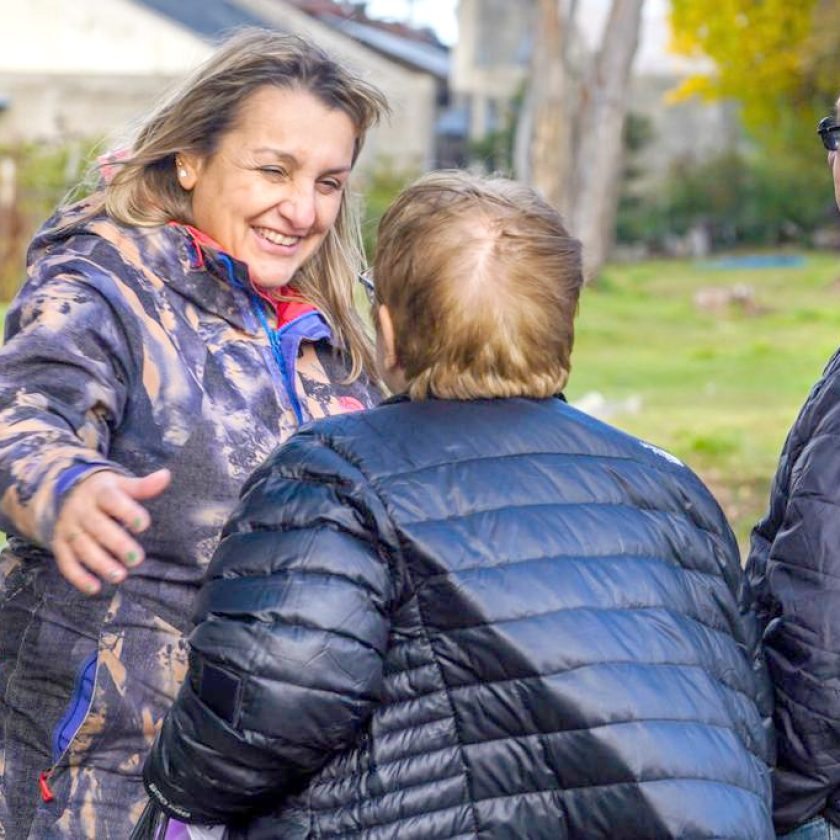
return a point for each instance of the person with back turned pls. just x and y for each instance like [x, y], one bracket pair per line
[473, 611]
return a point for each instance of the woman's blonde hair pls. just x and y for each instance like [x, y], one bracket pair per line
[481, 280]
[145, 192]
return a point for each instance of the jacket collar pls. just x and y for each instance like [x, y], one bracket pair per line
[210, 278]
[204, 254]
[400, 398]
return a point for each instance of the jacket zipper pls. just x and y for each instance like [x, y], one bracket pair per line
[273, 339]
[44, 777]
[278, 350]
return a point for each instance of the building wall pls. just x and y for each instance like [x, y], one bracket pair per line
[688, 131]
[490, 59]
[50, 107]
[491, 55]
[90, 68]
[93, 37]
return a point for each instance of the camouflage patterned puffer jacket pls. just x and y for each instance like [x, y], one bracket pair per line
[135, 349]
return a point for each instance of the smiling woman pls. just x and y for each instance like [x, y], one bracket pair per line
[282, 169]
[174, 327]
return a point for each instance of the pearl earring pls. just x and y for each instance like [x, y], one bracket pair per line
[182, 173]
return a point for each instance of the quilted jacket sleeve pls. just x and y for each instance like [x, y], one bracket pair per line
[63, 386]
[793, 572]
[287, 655]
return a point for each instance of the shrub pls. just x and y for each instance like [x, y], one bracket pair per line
[43, 176]
[740, 199]
[380, 187]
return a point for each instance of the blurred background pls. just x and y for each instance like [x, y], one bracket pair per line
[678, 137]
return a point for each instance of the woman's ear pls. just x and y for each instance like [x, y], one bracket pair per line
[187, 168]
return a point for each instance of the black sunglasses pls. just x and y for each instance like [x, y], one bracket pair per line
[366, 279]
[828, 129]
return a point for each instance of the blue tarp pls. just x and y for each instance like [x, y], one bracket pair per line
[756, 261]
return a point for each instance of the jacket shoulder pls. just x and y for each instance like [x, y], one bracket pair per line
[399, 436]
[95, 250]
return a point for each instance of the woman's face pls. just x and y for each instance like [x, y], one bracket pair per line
[272, 189]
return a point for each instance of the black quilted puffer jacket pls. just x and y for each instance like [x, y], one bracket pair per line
[486, 619]
[794, 572]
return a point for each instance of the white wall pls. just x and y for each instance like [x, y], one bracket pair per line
[59, 107]
[108, 37]
[82, 68]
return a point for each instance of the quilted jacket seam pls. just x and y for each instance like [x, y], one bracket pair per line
[573, 455]
[673, 514]
[544, 791]
[583, 557]
[569, 731]
[541, 676]
[453, 717]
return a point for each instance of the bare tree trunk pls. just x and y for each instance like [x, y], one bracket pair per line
[548, 104]
[569, 141]
[603, 111]
[523, 137]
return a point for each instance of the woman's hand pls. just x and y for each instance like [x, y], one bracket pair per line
[93, 534]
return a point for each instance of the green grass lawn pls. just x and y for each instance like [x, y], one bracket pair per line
[719, 390]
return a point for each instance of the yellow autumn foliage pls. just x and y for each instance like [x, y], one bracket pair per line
[761, 49]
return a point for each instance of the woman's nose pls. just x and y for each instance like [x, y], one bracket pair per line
[298, 208]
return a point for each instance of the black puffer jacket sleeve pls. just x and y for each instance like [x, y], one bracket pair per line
[286, 658]
[793, 578]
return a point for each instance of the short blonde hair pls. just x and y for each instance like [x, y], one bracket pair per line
[193, 119]
[482, 281]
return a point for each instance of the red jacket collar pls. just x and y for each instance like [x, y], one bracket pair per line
[285, 311]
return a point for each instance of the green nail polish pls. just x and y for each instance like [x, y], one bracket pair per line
[91, 589]
[137, 524]
[131, 558]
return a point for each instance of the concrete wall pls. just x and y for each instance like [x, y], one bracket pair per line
[89, 68]
[49, 107]
[93, 37]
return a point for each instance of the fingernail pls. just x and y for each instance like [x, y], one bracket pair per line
[137, 524]
[91, 589]
[132, 558]
[116, 576]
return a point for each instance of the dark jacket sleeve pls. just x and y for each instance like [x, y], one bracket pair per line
[286, 658]
[794, 578]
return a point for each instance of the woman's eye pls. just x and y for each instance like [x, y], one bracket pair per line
[273, 171]
[330, 186]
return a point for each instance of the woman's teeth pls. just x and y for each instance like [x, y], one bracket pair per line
[276, 238]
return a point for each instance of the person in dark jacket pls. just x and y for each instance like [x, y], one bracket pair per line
[473, 611]
[793, 572]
